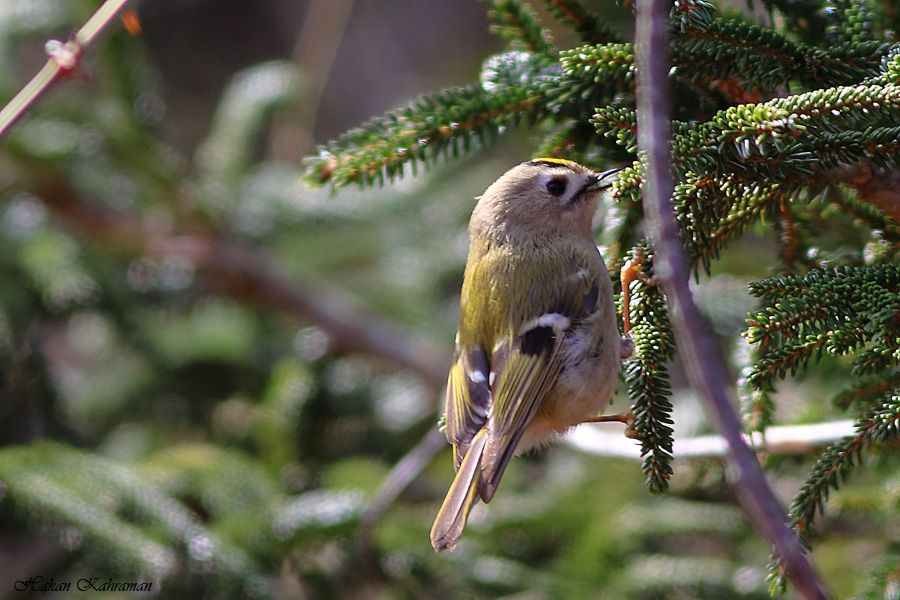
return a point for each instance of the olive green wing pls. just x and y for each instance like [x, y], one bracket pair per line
[524, 368]
[467, 400]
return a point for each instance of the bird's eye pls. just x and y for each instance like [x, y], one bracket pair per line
[556, 186]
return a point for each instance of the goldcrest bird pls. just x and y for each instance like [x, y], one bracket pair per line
[538, 348]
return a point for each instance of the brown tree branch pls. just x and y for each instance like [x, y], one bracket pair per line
[397, 481]
[703, 361]
[876, 186]
[247, 275]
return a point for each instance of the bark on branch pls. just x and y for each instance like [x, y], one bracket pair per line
[705, 366]
[246, 274]
[875, 185]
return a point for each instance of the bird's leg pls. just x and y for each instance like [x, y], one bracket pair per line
[622, 418]
[626, 418]
[632, 270]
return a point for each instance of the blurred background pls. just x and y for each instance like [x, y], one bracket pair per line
[208, 370]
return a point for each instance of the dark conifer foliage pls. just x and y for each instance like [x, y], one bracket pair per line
[188, 397]
[769, 118]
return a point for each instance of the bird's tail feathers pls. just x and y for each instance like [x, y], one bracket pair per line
[454, 512]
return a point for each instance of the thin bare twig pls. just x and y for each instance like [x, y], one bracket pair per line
[783, 439]
[401, 477]
[64, 60]
[317, 45]
[790, 243]
[705, 366]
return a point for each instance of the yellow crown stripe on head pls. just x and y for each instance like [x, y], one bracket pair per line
[551, 161]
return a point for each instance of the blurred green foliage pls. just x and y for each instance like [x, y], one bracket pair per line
[158, 427]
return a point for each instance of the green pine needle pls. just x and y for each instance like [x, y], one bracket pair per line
[646, 372]
[516, 22]
[879, 425]
[578, 18]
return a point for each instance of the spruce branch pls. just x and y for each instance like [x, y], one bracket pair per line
[877, 187]
[734, 47]
[646, 372]
[618, 124]
[135, 521]
[879, 425]
[598, 63]
[516, 22]
[757, 405]
[883, 354]
[848, 21]
[714, 210]
[621, 230]
[592, 75]
[516, 87]
[39, 494]
[866, 390]
[442, 124]
[582, 21]
[782, 136]
[628, 184]
[824, 311]
[786, 138]
[821, 302]
[64, 60]
[890, 67]
[786, 359]
[706, 369]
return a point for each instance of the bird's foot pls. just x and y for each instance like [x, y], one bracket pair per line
[626, 418]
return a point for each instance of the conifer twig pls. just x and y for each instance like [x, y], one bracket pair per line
[789, 241]
[705, 367]
[404, 473]
[878, 187]
[64, 60]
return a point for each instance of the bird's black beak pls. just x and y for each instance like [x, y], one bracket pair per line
[600, 182]
[594, 183]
